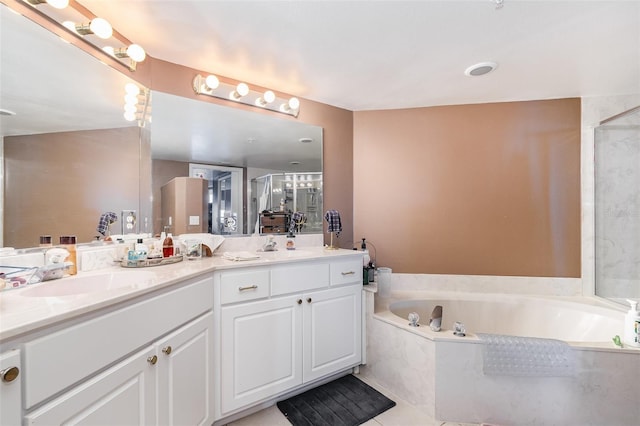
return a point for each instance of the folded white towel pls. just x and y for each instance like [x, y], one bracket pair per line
[240, 255]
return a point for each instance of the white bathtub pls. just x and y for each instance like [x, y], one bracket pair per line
[552, 318]
[443, 374]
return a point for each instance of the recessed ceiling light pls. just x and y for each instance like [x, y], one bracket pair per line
[6, 112]
[294, 163]
[305, 140]
[481, 68]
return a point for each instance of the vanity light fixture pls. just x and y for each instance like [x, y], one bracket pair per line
[242, 93]
[98, 26]
[58, 4]
[136, 107]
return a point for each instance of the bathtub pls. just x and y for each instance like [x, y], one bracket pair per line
[551, 318]
[443, 375]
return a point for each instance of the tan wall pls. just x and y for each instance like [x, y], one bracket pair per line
[475, 189]
[163, 172]
[337, 127]
[48, 191]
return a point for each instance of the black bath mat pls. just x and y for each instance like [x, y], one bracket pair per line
[346, 401]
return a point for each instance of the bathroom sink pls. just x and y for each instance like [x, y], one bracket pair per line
[84, 284]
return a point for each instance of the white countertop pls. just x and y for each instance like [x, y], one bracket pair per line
[21, 312]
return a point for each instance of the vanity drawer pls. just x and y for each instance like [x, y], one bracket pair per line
[298, 278]
[240, 286]
[346, 272]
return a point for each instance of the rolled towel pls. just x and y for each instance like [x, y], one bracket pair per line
[333, 218]
[106, 219]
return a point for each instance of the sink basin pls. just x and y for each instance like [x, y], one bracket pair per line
[84, 284]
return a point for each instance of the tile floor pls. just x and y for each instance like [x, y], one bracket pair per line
[403, 414]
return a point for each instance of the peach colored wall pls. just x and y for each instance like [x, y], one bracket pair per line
[163, 172]
[337, 127]
[48, 191]
[474, 189]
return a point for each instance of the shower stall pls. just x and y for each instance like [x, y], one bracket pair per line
[617, 206]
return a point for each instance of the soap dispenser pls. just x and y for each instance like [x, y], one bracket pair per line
[632, 325]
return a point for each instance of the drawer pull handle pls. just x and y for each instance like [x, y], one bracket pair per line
[348, 273]
[167, 350]
[299, 301]
[309, 300]
[249, 287]
[10, 374]
[152, 360]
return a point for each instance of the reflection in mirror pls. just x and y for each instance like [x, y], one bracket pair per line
[68, 153]
[200, 139]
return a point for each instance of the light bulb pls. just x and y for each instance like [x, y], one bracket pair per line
[269, 96]
[136, 52]
[131, 109]
[294, 103]
[101, 28]
[130, 99]
[71, 26]
[131, 88]
[129, 116]
[212, 82]
[242, 89]
[58, 4]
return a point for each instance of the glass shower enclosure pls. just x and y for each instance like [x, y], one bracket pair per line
[617, 207]
[289, 193]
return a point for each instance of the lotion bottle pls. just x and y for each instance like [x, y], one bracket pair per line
[632, 325]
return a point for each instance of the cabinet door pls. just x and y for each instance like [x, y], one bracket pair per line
[185, 374]
[261, 350]
[10, 387]
[332, 331]
[121, 395]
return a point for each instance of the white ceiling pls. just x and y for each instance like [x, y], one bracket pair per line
[363, 55]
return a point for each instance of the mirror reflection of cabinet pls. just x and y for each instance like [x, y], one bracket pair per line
[185, 205]
[290, 192]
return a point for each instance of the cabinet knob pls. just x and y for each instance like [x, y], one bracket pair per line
[152, 360]
[166, 350]
[299, 301]
[9, 374]
[309, 300]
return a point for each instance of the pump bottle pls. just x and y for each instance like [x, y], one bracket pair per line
[632, 325]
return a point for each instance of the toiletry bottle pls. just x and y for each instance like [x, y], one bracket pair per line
[68, 242]
[141, 249]
[291, 241]
[367, 273]
[167, 246]
[632, 325]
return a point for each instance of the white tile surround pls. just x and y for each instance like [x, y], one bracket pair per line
[445, 379]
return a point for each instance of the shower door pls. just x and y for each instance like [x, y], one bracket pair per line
[617, 207]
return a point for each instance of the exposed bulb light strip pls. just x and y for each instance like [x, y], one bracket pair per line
[242, 93]
[101, 28]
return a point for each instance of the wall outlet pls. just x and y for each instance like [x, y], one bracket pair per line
[129, 222]
[194, 220]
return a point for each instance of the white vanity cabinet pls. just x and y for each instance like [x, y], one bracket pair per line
[10, 388]
[146, 363]
[305, 327]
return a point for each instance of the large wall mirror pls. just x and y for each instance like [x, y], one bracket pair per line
[260, 169]
[68, 155]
